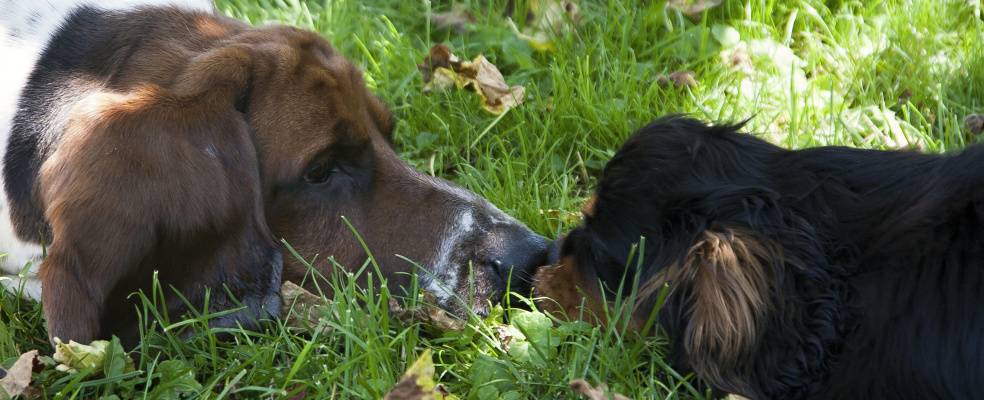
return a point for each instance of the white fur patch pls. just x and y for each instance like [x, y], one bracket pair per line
[25, 29]
[445, 274]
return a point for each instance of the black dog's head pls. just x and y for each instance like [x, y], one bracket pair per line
[753, 305]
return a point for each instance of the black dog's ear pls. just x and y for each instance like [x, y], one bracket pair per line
[758, 304]
[727, 279]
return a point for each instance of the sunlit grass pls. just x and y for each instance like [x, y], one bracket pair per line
[886, 75]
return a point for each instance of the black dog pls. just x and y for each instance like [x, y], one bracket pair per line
[823, 273]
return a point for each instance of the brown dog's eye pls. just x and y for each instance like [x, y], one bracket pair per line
[319, 173]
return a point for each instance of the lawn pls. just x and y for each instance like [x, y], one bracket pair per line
[885, 75]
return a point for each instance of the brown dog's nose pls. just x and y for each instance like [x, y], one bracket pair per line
[520, 253]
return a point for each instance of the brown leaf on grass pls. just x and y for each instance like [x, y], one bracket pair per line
[975, 123]
[458, 19]
[678, 79]
[301, 307]
[582, 387]
[406, 389]
[738, 59]
[418, 382]
[426, 313]
[442, 70]
[692, 8]
[497, 96]
[17, 380]
[545, 20]
[905, 96]
[439, 56]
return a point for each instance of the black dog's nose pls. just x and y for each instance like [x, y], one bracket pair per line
[518, 255]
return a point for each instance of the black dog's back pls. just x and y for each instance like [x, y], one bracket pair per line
[879, 288]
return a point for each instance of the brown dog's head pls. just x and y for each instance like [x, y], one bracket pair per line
[331, 156]
[211, 141]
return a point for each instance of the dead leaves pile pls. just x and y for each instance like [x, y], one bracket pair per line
[443, 70]
[70, 357]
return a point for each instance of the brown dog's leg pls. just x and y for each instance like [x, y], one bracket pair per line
[69, 309]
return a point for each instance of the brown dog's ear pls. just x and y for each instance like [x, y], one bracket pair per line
[160, 178]
[222, 72]
[728, 278]
[381, 116]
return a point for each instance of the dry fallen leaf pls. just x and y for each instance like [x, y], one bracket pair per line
[418, 382]
[692, 8]
[975, 123]
[678, 79]
[905, 96]
[426, 313]
[439, 56]
[585, 389]
[547, 19]
[738, 59]
[459, 19]
[442, 70]
[302, 308]
[507, 333]
[18, 378]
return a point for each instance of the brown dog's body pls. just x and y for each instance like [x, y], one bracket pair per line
[174, 140]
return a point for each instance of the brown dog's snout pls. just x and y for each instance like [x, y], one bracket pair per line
[518, 254]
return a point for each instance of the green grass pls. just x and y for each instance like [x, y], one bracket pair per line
[894, 74]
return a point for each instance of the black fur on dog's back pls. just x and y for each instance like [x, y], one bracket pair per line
[822, 273]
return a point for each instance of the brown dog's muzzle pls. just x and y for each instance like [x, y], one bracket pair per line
[475, 253]
[459, 247]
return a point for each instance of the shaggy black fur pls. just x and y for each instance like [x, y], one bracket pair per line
[877, 287]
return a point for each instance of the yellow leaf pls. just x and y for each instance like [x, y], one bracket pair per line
[546, 20]
[418, 382]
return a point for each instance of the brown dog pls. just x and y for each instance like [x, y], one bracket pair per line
[171, 139]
